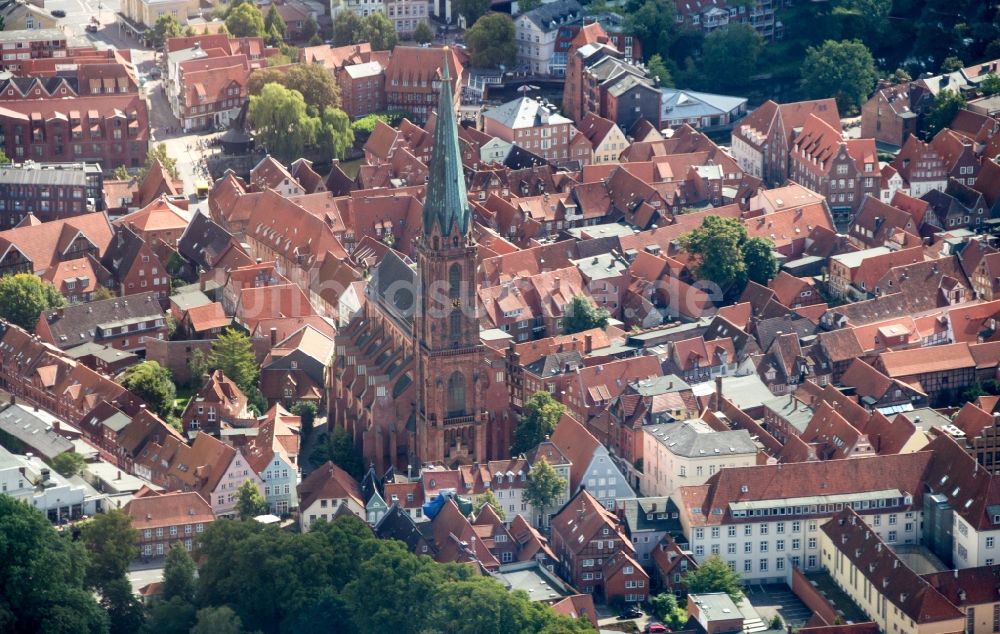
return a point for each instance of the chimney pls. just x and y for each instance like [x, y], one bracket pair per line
[274, 336]
[718, 391]
[588, 344]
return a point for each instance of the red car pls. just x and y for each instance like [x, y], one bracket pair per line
[657, 628]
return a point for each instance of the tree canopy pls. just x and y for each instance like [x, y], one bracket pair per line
[159, 153]
[251, 502]
[154, 384]
[491, 41]
[539, 420]
[245, 20]
[42, 585]
[729, 56]
[112, 543]
[283, 126]
[714, 575]
[275, 24]
[472, 10]
[945, 106]
[23, 297]
[581, 314]
[259, 572]
[544, 486]
[658, 68]
[166, 27]
[728, 256]
[68, 463]
[423, 33]
[339, 448]
[844, 70]
[488, 499]
[178, 574]
[232, 352]
[316, 85]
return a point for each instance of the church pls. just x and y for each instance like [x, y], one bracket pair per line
[412, 377]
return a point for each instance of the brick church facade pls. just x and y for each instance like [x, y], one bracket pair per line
[411, 375]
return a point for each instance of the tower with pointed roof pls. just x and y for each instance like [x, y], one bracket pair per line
[451, 426]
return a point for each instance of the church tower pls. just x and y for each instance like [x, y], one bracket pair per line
[451, 426]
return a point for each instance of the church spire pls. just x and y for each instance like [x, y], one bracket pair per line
[446, 202]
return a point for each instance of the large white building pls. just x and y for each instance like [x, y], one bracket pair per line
[687, 453]
[535, 34]
[29, 479]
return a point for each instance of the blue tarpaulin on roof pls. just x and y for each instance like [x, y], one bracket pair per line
[433, 506]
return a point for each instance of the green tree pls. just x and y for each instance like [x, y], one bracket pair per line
[543, 487]
[491, 41]
[347, 27]
[42, 576]
[275, 23]
[654, 22]
[232, 352]
[667, 610]
[124, 609]
[951, 64]
[581, 314]
[424, 33]
[658, 68]
[283, 126]
[153, 384]
[310, 29]
[317, 85]
[844, 70]
[759, 261]
[166, 27]
[475, 9]
[341, 451]
[112, 543]
[990, 84]
[945, 106]
[101, 293]
[251, 502]
[900, 76]
[4, 160]
[539, 420]
[523, 6]
[335, 136]
[189, 31]
[719, 244]
[159, 153]
[68, 463]
[729, 56]
[24, 296]
[245, 21]
[306, 411]
[178, 574]
[714, 575]
[197, 366]
[379, 30]
[869, 17]
[489, 499]
[174, 616]
[220, 620]
[121, 174]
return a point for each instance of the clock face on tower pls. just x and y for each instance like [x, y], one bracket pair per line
[456, 303]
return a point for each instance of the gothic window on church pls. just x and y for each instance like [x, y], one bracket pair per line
[455, 281]
[456, 394]
[455, 323]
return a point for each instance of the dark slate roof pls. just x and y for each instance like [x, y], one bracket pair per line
[555, 363]
[637, 511]
[80, 323]
[394, 276]
[519, 158]
[551, 16]
[203, 241]
[446, 202]
[397, 524]
[768, 329]
[34, 430]
[122, 251]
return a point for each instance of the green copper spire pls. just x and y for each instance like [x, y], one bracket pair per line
[446, 202]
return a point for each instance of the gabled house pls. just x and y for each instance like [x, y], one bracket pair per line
[324, 491]
[584, 532]
[217, 405]
[591, 465]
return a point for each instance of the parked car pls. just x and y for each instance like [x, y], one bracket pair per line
[91, 28]
[59, 13]
[657, 628]
[630, 613]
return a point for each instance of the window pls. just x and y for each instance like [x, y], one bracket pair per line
[456, 394]
[812, 543]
